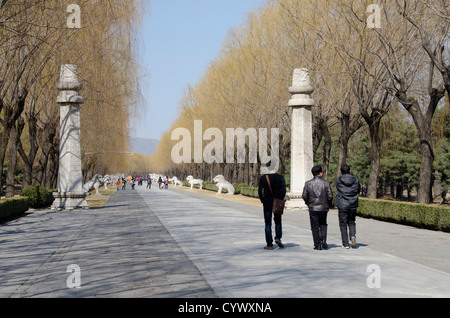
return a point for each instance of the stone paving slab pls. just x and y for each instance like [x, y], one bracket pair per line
[226, 245]
[176, 244]
[422, 246]
[122, 251]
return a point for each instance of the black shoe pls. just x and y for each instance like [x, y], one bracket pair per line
[278, 242]
[353, 239]
[325, 245]
[318, 248]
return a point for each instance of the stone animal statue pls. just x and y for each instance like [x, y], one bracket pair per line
[95, 183]
[107, 180]
[221, 183]
[176, 182]
[193, 181]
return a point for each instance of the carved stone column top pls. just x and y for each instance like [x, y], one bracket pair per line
[301, 82]
[301, 89]
[69, 85]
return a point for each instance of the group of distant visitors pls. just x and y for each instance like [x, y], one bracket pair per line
[318, 196]
[163, 184]
[122, 182]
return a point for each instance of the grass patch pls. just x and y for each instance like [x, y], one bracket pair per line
[100, 201]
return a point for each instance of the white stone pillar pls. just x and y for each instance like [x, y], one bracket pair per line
[302, 154]
[70, 193]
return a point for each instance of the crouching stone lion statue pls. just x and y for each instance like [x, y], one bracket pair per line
[221, 184]
[176, 182]
[96, 182]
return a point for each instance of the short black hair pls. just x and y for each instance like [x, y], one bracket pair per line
[316, 170]
[345, 169]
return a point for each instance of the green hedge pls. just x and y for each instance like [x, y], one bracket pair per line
[238, 187]
[418, 215]
[249, 191]
[39, 197]
[208, 186]
[431, 217]
[10, 208]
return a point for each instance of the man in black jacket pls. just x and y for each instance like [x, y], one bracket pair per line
[318, 196]
[278, 185]
[348, 187]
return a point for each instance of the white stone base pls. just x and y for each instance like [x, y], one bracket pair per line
[69, 201]
[295, 203]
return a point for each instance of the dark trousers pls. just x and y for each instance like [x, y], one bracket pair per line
[347, 218]
[319, 226]
[268, 229]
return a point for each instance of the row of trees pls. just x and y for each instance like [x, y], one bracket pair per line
[36, 38]
[380, 72]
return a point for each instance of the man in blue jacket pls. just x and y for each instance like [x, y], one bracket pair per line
[348, 187]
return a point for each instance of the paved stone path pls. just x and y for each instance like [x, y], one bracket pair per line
[122, 251]
[178, 244]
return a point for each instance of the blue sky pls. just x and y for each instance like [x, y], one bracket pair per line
[178, 40]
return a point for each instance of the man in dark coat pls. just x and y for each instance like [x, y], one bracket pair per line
[348, 187]
[278, 185]
[318, 196]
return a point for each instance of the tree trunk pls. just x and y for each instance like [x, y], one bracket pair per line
[30, 158]
[4, 138]
[426, 168]
[343, 143]
[348, 128]
[10, 116]
[375, 157]
[317, 133]
[12, 158]
[51, 180]
[423, 124]
[326, 151]
[48, 136]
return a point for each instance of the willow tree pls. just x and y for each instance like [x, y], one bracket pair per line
[28, 42]
[358, 67]
[36, 39]
[104, 50]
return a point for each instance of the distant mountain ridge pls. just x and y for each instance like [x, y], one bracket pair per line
[144, 146]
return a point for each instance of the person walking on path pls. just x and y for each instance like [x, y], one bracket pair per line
[278, 185]
[118, 184]
[348, 188]
[318, 196]
[166, 183]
